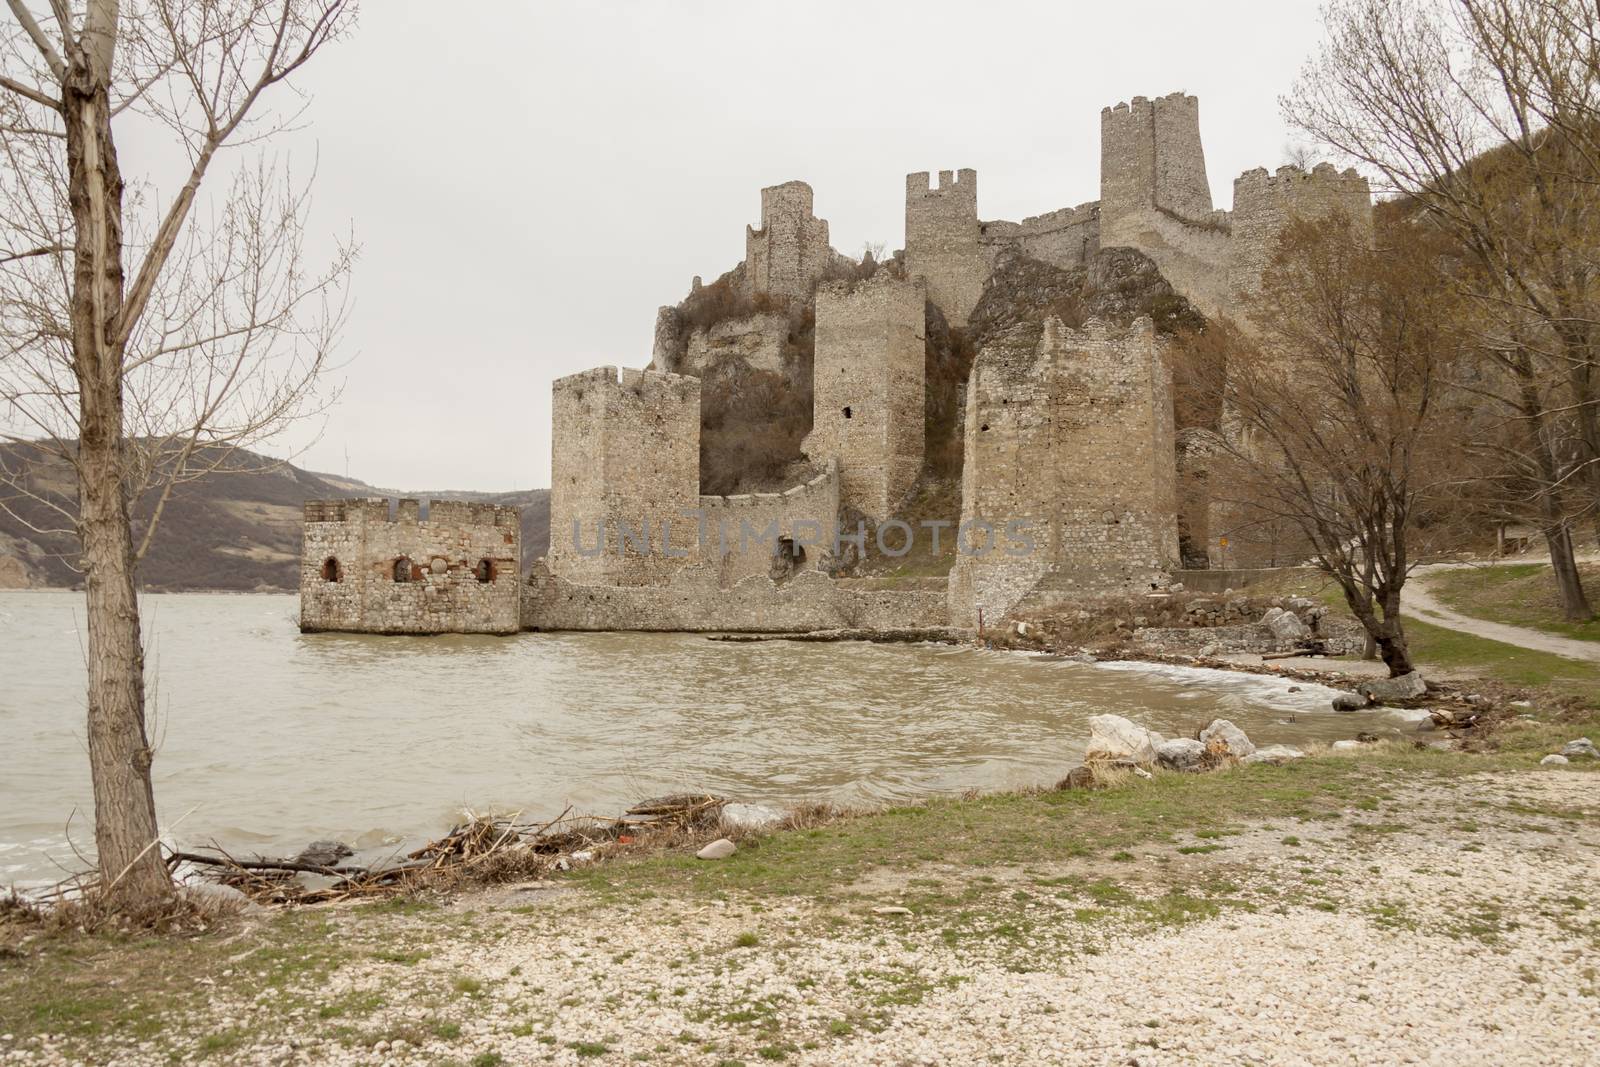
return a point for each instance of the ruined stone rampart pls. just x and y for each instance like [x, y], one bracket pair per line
[1069, 443]
[625, 460]
[365, 570]
[868, 389]
[943, 246]
[695, 601]
[743, 530]
[1066, 238]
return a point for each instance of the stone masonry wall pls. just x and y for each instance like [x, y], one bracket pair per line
[695, 601]
[943, 241]
[1151, 157]
[1066, 238]
[1263, 204]
[737, 528]
[1068, 432]
[626, 452]
[868, 389]
[786, 256]
[457, 571]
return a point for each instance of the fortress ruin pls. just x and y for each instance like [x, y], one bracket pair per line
[1064, 430]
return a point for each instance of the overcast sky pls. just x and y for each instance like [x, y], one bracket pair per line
[530, 181]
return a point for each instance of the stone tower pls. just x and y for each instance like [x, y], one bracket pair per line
[786, 256]
[1151, 159]
[1263, 204]
[943, 246]
[1069, 435]
[626, 459]
[868, 395]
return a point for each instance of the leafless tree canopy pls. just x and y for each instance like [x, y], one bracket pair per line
[226, 331]
[1483, 116]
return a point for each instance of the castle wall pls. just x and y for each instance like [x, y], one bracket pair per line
[626, 452]
[1069, 433]
[943, 246]
[352, 549]
[1066, 238]
[868, 389]
[737, 527]
[786, 256]
[695, 601]
[1263, 204]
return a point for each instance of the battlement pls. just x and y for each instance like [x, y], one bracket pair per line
[407, 510]
[1178, 102]
[1290, 176]
[960, 185]
[822, 483]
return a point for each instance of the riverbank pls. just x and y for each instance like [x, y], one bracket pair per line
[1350, 907]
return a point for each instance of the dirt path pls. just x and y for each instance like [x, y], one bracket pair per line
[1419, 601]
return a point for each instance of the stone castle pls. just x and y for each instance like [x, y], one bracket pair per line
[1070, 461]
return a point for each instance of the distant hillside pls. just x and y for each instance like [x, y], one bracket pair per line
[236, 531]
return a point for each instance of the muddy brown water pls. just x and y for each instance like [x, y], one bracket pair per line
[269, 738]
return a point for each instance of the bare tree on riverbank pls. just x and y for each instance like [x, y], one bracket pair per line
[1485, 116]
[1330, 408]
[141, 345]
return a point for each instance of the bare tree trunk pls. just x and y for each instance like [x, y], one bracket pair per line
[132, 869]
[1569, 587]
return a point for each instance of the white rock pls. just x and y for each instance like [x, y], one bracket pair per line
[582, 857]
[1274, 754]
[1286, 626]
[1582, 748]
[1111, 737]
[891, 910]
[1181, 754]
[720, 849]
[1554, 760]
[1238, 744]
[1346, 746]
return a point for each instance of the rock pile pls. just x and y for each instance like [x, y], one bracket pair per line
[1118, 742]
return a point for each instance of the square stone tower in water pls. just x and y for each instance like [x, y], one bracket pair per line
[626, 461]
[868, 389]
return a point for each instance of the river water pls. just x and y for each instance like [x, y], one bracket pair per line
[268, 738]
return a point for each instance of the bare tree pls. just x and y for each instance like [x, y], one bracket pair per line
[1485, 116]
[1329, 409]
[141, 345]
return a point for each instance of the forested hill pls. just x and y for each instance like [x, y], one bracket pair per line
[237, 531]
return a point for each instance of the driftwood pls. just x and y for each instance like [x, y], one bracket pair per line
[502, 847]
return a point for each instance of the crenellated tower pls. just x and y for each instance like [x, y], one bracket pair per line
[943, 241]
[1151, 159]
[626, 453]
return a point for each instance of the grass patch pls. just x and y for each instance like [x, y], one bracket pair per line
[1433, 645]
[1519, 594]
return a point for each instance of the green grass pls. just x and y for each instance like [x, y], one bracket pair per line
[1437, 646]
[1022, 830]
[1518, 594]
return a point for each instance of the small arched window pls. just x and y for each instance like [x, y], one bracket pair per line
[485, 570]
[330, 570]
[402, 569]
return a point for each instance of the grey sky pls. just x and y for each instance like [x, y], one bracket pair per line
[530, 181]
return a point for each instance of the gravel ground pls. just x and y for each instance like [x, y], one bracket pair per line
[1469, 933]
